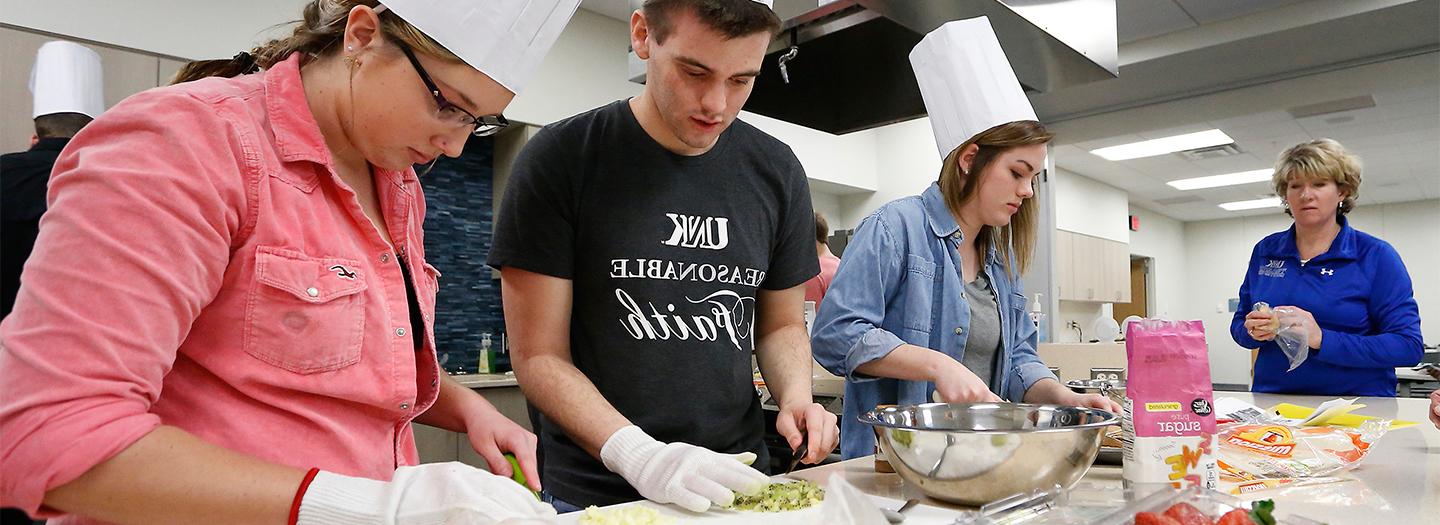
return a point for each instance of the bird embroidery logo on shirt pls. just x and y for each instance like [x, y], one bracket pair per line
[1327, 271]
[343, 272]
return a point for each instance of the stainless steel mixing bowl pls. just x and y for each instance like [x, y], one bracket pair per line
[976, 453]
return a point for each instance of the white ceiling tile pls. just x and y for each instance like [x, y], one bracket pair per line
[1412, 108]
[1407, 92]
[1343, 119]
[1232, 164]
[1263, 117]
[1178, 130]
[1107, 142]
[1159, 164]
[1263, 131]
[1140, 19]
[1268, 149]
[1412, 123]
[1209, 11]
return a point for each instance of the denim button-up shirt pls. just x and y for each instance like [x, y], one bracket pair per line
[900, 282]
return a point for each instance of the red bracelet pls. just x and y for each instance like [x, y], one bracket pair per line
[300, 495]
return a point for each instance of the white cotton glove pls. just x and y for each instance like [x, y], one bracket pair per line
[680, 473]
[434, 493]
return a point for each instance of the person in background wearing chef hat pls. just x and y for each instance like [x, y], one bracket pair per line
[67, 84]
[647, 248]
[227, 317]
[928, 301]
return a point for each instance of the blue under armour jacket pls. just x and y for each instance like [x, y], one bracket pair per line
[1360, 295]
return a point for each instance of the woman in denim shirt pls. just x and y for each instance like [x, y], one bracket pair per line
[897, 322]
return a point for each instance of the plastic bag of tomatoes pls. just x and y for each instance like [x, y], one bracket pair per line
[1198, 506]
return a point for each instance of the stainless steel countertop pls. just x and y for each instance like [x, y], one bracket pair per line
[1399, 482]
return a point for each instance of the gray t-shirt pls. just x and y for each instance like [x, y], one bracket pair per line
[666, 254]
[982, 344]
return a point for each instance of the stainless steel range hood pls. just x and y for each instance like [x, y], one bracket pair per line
[852, 70]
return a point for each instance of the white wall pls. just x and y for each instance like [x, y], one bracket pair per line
[828, 205]
[842, 162]
[181, 28]
[1163, 240]
[905, 164]
[1221, 249]
[1082, 313]
[584, 70]
[1083, 205]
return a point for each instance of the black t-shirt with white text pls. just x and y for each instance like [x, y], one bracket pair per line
[666, 254]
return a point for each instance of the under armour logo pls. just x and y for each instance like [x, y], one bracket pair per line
[343, 272]
[1327, 271]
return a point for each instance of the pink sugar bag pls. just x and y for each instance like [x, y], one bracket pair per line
[1169, 419]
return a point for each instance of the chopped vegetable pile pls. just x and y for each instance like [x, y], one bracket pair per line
[631, 515]
[780, 497]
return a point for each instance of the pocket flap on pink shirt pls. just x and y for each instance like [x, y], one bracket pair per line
[310, 279]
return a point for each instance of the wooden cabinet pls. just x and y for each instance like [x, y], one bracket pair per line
[1091, 269]
[1117, 272]
[1064, 254]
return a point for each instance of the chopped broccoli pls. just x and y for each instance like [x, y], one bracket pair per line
[1261, 512]
[780, 497]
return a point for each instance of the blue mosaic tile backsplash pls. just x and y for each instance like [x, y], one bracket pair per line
[459, 195]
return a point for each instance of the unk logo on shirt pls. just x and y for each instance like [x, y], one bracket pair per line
[1327, 271]
[694, 231]
[1273, 268]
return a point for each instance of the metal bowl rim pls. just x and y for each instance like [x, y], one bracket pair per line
[872, 418]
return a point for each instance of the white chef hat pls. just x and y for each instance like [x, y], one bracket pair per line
[966, 82]
[505, 39]
[67, 78]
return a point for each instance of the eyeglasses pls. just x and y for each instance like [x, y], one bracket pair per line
[480, 126]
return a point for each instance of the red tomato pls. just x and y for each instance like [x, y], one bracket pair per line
[1152, 518]
[1236, 517]
[1187, 514]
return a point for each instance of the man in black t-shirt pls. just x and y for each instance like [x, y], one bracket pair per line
[647, 249]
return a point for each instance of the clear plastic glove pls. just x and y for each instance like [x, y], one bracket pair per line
[680, 473]
[1289, 328]
[433, 493]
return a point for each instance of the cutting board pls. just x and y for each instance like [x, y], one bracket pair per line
[919, 515]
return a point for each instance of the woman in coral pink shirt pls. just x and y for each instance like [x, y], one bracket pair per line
[228, 316]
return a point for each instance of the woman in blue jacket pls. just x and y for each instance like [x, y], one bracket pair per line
[1350, 290]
